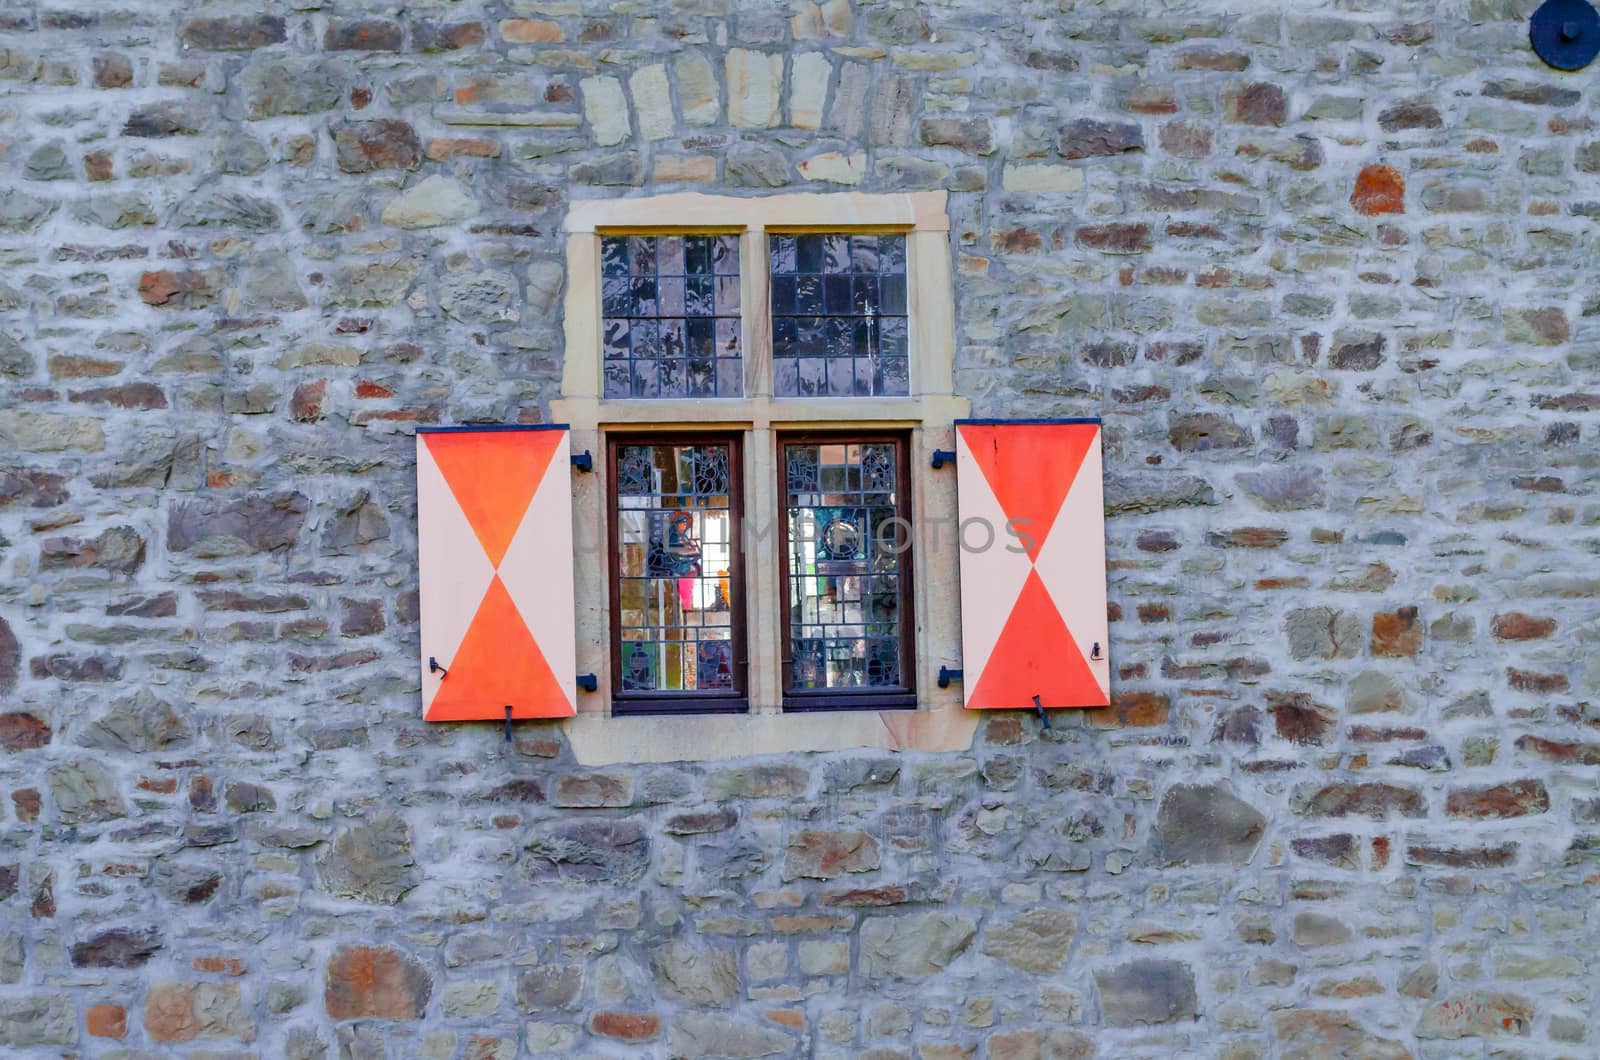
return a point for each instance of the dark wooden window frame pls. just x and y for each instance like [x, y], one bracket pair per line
[900, 698]
[736, 700]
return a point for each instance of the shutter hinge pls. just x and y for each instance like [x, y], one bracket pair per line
[941, 457]
[588, 682]
[583, 461]
[946, 675]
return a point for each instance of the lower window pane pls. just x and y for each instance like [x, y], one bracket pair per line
[676, 525]
[846, 540]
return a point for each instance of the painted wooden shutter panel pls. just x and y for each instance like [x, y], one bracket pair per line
[1033, 604]
[494, 542]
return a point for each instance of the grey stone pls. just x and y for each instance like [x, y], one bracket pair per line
[21, 212]
[117, 948]
[1035, 941]
[1323, 633]
[370, 862]
[47, 162]
[821, 854]
[696, 975]
[549, 987]
[480, 296]
[137, 724]
[1146, 991]
[256, 523]
[271, 283]
[715, 1037]
[37, 1020]
[914, 945]
[593, 851]
[84, 792]
[284, 87]
[1206, 824]
[215, 208]
[1284, 489]
[1087, 138]
[749, 165]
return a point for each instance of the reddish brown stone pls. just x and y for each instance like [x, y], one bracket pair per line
[97, 165]
[1529, 681]
[446, 37]
[443, 149]
[106, 1021]
[1519, 798]
[169, 1013]
[1261, 103]
[1117, 238]
[1514, 625]
[362, 35]
[375, 982]
[531, 31]
[1463, 857]
[1210, 59]
[821, 854]
[1580, 754]
[188, 289]
[112, 70]
[143, 396]
[1184, 141]
[1396, 634]
[1299, 718]
[628, 1026]
[1379, 189]
[1374, 801]
[26, 801]
[1130, 709]
[20, 731]
[1247, 537]
[867, 897]
[364, 146]
[306, 404]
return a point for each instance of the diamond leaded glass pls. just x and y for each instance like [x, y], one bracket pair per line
[843, 567]
[839, 324]
[676, 523]
[671, 316]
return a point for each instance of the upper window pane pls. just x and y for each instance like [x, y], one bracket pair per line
[839, 320]
[671, 316]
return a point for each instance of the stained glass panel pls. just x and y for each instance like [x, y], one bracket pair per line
[676, 528]
[839, 322]
[843, 568]
[671, 316]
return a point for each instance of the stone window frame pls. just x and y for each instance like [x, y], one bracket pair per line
[927, 415]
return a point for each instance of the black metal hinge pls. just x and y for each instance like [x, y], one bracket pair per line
[582, 461]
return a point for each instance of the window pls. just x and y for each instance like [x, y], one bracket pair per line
[839, 324]
[847, 616]
[671, 307]
[677, 579]
[810, 338]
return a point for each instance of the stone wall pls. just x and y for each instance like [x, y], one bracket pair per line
[1324, 273]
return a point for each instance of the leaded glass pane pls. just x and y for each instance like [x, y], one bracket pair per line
[675, 541]
[839, 321]
[846, 541]
[671, 316]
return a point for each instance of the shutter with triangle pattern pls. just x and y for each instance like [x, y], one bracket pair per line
[1033, 602]
[494, 543]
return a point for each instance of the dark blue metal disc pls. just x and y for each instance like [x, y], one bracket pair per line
[1565, 33]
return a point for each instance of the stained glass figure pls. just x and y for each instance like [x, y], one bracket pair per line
[844, 565]
[676, 526]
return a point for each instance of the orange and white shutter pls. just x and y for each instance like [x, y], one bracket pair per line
[494, 540]
[1033, 602]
